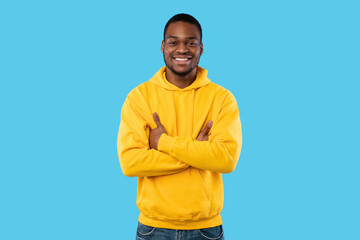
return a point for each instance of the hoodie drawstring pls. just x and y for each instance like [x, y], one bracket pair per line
[192, 117]
[173, 98]
[193, 110]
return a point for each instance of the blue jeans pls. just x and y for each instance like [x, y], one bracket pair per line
[146, 232]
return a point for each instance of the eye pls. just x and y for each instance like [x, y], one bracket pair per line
[172, 43]
[192, 44]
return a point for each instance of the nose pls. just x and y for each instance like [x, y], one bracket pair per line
[182, 48]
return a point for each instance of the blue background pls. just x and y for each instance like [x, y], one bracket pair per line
[67, 66]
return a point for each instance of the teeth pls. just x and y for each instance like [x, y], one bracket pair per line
[181, 59]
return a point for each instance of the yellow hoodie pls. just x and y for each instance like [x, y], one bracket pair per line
[179, 185]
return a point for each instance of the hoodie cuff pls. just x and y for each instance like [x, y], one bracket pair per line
[166, 143]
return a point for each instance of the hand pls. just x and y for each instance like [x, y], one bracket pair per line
[156, 132]
[204, 134]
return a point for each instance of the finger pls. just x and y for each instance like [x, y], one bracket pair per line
[157, 119]
[207, 128]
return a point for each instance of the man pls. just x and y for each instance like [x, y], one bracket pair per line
[178, 133]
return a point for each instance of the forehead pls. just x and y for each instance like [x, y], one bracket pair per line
[182, 30]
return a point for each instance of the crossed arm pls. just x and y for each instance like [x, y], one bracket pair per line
[141, 158]
[151, 152]
[155, 133]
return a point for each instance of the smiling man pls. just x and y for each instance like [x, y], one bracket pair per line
[179, 133]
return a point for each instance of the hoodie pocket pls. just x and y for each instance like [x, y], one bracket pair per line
[197, 171]
[182, 196]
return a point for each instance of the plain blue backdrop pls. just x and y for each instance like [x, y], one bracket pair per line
[67, 66]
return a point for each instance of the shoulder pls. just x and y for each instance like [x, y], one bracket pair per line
[141, 91]
[218, 88]
[219, 91]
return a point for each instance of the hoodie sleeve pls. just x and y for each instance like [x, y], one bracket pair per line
[221, 152]
[135, 156]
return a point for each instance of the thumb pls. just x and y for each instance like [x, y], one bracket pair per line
[157, 119]
[207, 128]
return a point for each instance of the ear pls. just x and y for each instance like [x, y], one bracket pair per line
[201, 49]
[162, 46]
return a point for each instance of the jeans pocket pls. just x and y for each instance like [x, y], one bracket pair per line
[214, 233]
[144, 230]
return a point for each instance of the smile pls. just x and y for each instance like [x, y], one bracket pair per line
[182, 59]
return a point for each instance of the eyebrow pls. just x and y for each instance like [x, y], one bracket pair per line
[178, 37]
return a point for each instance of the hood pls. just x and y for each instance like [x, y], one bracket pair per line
[200, 81]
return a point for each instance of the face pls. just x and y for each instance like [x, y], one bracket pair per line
[182, 48]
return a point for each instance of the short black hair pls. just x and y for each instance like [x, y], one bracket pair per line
[183, 17]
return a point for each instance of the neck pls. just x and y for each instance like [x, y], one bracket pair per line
[180, 81]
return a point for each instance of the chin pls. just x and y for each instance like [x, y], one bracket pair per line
[181, 73]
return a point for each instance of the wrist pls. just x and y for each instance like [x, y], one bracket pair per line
[166, 143]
